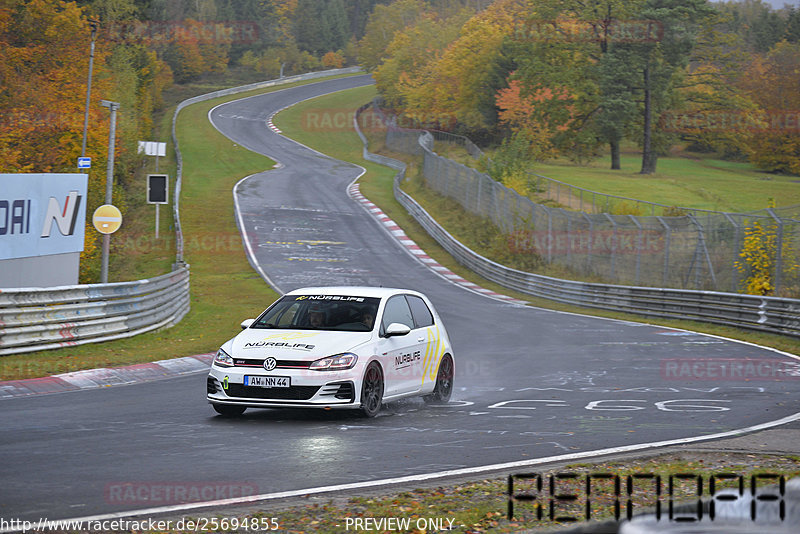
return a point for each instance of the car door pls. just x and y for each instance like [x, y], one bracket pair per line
[429, 337]
[402, 355]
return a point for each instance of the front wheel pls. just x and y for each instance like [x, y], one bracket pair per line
[372, 390]
[229, 410]
[444, 382]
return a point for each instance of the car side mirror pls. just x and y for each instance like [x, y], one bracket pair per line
[397, 329]
[246, 323]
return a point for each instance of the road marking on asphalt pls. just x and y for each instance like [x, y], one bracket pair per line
[430, 476]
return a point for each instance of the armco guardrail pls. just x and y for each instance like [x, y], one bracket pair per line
[769, 314]
[33, 319]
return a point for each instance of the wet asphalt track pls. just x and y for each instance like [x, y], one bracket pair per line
[530, 383]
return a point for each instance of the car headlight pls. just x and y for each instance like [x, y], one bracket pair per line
[336, 362]
[223, 359]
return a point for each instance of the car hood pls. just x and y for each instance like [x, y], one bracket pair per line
[294, 344]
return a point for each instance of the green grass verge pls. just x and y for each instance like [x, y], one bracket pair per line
[695, 182]
[224, 287]
[686, 180]
[476, 506]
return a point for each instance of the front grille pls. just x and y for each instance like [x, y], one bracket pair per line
[282, 364]
[255, 392]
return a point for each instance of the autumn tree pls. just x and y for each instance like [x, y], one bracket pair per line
[776, 141]
[406, 72]
[43, 76]
[464, 78]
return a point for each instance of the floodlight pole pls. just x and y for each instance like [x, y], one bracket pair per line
[113, 106]
[93, 24]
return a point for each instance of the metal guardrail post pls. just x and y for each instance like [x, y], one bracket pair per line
[591, 239]
[667, 245]
[638, 248]
[549, 212]
[778, 250]
[701, 245]
[613, 245]
[736, 248]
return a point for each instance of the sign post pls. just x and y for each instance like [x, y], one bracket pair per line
[113, 106]
[157, 192]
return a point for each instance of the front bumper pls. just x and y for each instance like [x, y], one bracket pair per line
[226, 386]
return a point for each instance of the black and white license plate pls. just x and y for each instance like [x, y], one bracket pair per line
[268, 381]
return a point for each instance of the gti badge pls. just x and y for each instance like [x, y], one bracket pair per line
[270, 363]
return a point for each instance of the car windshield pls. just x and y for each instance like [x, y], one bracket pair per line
[343, 313]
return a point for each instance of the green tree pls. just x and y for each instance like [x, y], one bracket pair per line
[383, 23]
[617, 109]
[471, 69]
[320, 25]
[662, 65]
[756, 22]
[792, 34]
[404, 77]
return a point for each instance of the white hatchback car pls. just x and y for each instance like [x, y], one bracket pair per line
[335, 347]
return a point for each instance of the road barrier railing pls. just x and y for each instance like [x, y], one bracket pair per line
[768, 314]
[33, 319]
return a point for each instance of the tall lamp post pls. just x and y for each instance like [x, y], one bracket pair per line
[113, 106]
[93, 24]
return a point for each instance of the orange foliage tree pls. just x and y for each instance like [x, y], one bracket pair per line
[461, 82]
[537, 116]
[776, 143]
[43, 77]
[333, 60]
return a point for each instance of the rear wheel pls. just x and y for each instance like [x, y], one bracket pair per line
[444, 382]
[229, 410]
[372, 390]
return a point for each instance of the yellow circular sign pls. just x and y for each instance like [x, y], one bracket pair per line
[107, 219]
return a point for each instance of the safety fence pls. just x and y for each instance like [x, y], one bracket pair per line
[769, 314]
[33, 319]
[694, 249]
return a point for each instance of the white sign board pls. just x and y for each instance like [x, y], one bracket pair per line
[41, 214]
[152, 148]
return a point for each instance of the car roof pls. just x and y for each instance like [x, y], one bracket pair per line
[360, 291]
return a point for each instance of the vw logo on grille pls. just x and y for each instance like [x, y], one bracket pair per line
[270, 363]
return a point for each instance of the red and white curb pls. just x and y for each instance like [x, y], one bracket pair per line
[105, 377]
[392, 227]
[271, 125]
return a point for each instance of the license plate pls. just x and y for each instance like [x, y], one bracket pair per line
[268, 381]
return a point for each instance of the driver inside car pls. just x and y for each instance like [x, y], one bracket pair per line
[316, 317]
